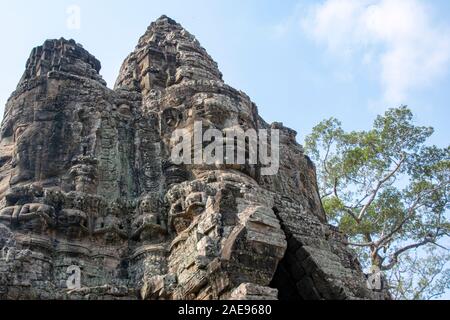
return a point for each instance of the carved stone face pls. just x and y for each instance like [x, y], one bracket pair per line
[215, 111]
[34, 140]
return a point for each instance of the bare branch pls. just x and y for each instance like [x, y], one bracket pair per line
[396, 255]
[416, 205]
[409, 215]
[325, 159]
[429, 281]
[346, 208]
[326, 195]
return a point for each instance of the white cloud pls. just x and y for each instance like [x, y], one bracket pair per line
[399, 36]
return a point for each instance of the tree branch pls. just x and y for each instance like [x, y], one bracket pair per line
[325, 159]
[409, 215]
[396, 255]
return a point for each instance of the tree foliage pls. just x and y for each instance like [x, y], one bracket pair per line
[388, 190]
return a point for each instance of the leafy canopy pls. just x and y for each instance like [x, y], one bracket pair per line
[386, 188]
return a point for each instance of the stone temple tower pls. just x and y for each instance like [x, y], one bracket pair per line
[87, 184]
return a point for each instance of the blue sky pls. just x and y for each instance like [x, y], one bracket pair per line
[298, 62]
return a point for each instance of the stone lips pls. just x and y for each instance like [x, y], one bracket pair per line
[86, 180]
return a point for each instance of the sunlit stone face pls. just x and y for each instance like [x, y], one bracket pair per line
[90, 170]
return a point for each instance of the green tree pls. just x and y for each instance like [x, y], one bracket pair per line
[389, 191]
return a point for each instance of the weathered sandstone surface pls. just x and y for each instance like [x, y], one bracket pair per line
[86, 180]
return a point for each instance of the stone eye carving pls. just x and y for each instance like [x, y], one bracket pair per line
[125, 110]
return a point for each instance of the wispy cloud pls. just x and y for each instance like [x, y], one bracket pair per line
[400, 37]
